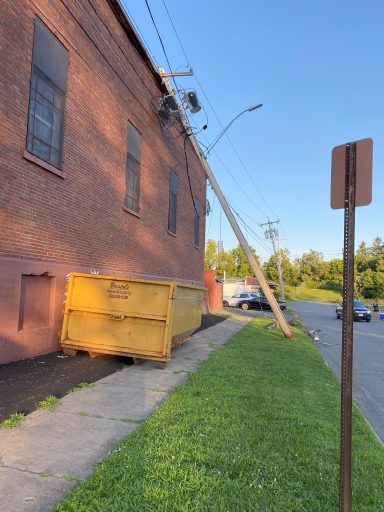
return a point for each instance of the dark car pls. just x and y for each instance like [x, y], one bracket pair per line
[360, 312]
[260, 302]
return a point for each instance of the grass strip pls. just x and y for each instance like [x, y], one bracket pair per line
[313, 294]
[256, 428]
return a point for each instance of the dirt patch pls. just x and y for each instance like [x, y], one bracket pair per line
[25, 383]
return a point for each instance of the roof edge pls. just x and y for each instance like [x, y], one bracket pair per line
[136, 41]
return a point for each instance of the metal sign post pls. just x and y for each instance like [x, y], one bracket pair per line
[351, 186]
[347, 331]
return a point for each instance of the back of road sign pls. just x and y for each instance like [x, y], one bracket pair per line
[364, 149]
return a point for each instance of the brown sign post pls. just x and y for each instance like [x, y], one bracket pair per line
[351, 185]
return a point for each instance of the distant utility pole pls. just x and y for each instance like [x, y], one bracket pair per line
[273, 235]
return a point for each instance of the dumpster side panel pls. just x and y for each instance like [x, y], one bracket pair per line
[127, 296]
[187, 311]
[104, 332]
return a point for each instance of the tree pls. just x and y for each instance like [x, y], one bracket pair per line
[377, 247]
[241, 264]
[290, 271]
[270, 269]
[362, 257]
[210, 255]
[312, 268]
[225, 264]
[334, 273]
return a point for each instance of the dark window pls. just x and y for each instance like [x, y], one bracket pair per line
[47, 96]
[196, 234]
[133, 169]
[172, 202]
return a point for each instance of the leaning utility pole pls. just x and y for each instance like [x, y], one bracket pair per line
[231, 219]
[244, 245]
[272, 234]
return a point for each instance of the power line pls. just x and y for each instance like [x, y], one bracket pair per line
[128, 14]
[163, 47]
[177, 35]
[255, 236]
[239, 186]
[113, 53]
[214, 112]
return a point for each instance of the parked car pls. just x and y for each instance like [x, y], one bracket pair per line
[259, 302]
[360, 312]
[234, 300]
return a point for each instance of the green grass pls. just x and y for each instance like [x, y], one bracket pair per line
[45, 474]
[48, 403]
[256, 428]
[314, 294]
[13, 421]
[82, 385]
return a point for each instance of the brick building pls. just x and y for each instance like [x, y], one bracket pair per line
[90, 178]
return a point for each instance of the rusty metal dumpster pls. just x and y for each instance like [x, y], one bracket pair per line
[139, 318]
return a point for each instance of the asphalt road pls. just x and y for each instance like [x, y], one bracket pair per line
[368, 356]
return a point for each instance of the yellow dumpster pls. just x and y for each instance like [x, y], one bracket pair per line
[131, 317]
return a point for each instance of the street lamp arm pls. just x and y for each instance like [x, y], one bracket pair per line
[216, 140]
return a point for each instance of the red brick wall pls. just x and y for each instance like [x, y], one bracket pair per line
[214, 293]
[80, 220]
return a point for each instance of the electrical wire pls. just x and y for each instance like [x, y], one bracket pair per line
[189, 178]
[229, 140]
[163, 47]
[257, 237]
[239, 186]
[118, 45]
[165, 53]
[209, 102]
[211, 216]
[148, 100]
[131, 20]
[233, 147]
[177, 35]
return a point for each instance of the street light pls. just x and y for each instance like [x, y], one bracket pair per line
[216, 140]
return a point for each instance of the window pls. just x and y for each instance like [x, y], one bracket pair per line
[47, 96]
[196, 233]
[132, 194]
[172, 202]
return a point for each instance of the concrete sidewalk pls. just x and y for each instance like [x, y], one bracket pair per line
[53, 450]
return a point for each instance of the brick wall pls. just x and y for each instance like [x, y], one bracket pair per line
[79, 221]
[214, 293]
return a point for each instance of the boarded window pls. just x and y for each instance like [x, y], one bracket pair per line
[196, 233]
[132, 194]
[172, 202]
[47, 96]
[35, 299]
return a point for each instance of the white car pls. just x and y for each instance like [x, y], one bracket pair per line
[234, 300]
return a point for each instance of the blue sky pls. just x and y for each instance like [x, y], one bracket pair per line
[318, 70]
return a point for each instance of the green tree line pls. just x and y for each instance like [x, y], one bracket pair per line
[310, 270]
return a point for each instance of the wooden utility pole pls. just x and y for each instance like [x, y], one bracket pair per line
[272, 234]
[231, 219]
